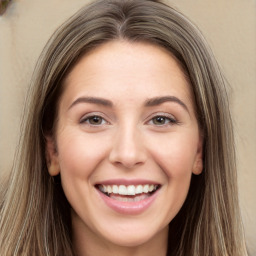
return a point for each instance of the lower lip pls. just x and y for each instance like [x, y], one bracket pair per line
[130, 208]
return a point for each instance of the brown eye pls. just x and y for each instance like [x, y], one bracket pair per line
[163, 120]
[93, 120]
[159, 120]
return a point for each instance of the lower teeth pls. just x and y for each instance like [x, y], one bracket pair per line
[129, 199]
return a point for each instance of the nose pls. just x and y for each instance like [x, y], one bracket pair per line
[128, 149]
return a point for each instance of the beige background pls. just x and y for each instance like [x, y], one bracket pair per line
[228, 25]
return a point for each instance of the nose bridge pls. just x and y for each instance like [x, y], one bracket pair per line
[128, 148]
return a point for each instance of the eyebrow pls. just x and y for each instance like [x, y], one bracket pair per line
[93, 100]
[160, 100]
[149, 103]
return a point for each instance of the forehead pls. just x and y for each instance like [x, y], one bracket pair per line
[124, 68]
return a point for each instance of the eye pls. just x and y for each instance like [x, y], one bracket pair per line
[162, 120]
[93, 120]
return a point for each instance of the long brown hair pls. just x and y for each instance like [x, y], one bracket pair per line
[35, 215]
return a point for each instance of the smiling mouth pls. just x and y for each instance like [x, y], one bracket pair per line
[130, 193]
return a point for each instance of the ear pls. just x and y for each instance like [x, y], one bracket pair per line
[52, 156]
[198, 163]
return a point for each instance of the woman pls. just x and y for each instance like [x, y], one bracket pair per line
[127, 147]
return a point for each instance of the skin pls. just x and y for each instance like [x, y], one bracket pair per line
[127, 142]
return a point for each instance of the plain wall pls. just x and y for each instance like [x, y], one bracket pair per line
[228, 25]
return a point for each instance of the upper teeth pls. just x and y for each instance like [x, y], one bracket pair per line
[127, 190]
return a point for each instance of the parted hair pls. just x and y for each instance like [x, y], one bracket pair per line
[35, 214]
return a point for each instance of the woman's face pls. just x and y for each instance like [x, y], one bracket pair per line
[127, 143]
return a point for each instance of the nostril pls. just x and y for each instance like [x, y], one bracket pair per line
[127, 162]
[130, 166]
[126, 159]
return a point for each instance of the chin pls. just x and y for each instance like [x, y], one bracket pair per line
[135, 238]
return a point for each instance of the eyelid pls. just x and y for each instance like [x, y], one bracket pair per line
[169, 116]
[93, 114]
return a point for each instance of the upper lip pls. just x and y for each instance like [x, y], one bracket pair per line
[126, 182]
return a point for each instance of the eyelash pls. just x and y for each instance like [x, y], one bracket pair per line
[168, 120]
[87, 119]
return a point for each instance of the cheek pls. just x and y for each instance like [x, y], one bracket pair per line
[175, 155]
[79, 154]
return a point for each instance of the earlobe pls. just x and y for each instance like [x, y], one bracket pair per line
[53, 169]
[198, 167]
[51, 156]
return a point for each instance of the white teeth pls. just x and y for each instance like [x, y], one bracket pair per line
[122, 190]
[131, 190]
[129, 199]
[109, 188]
[145, 188]
[139, 189]
[115, 189]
